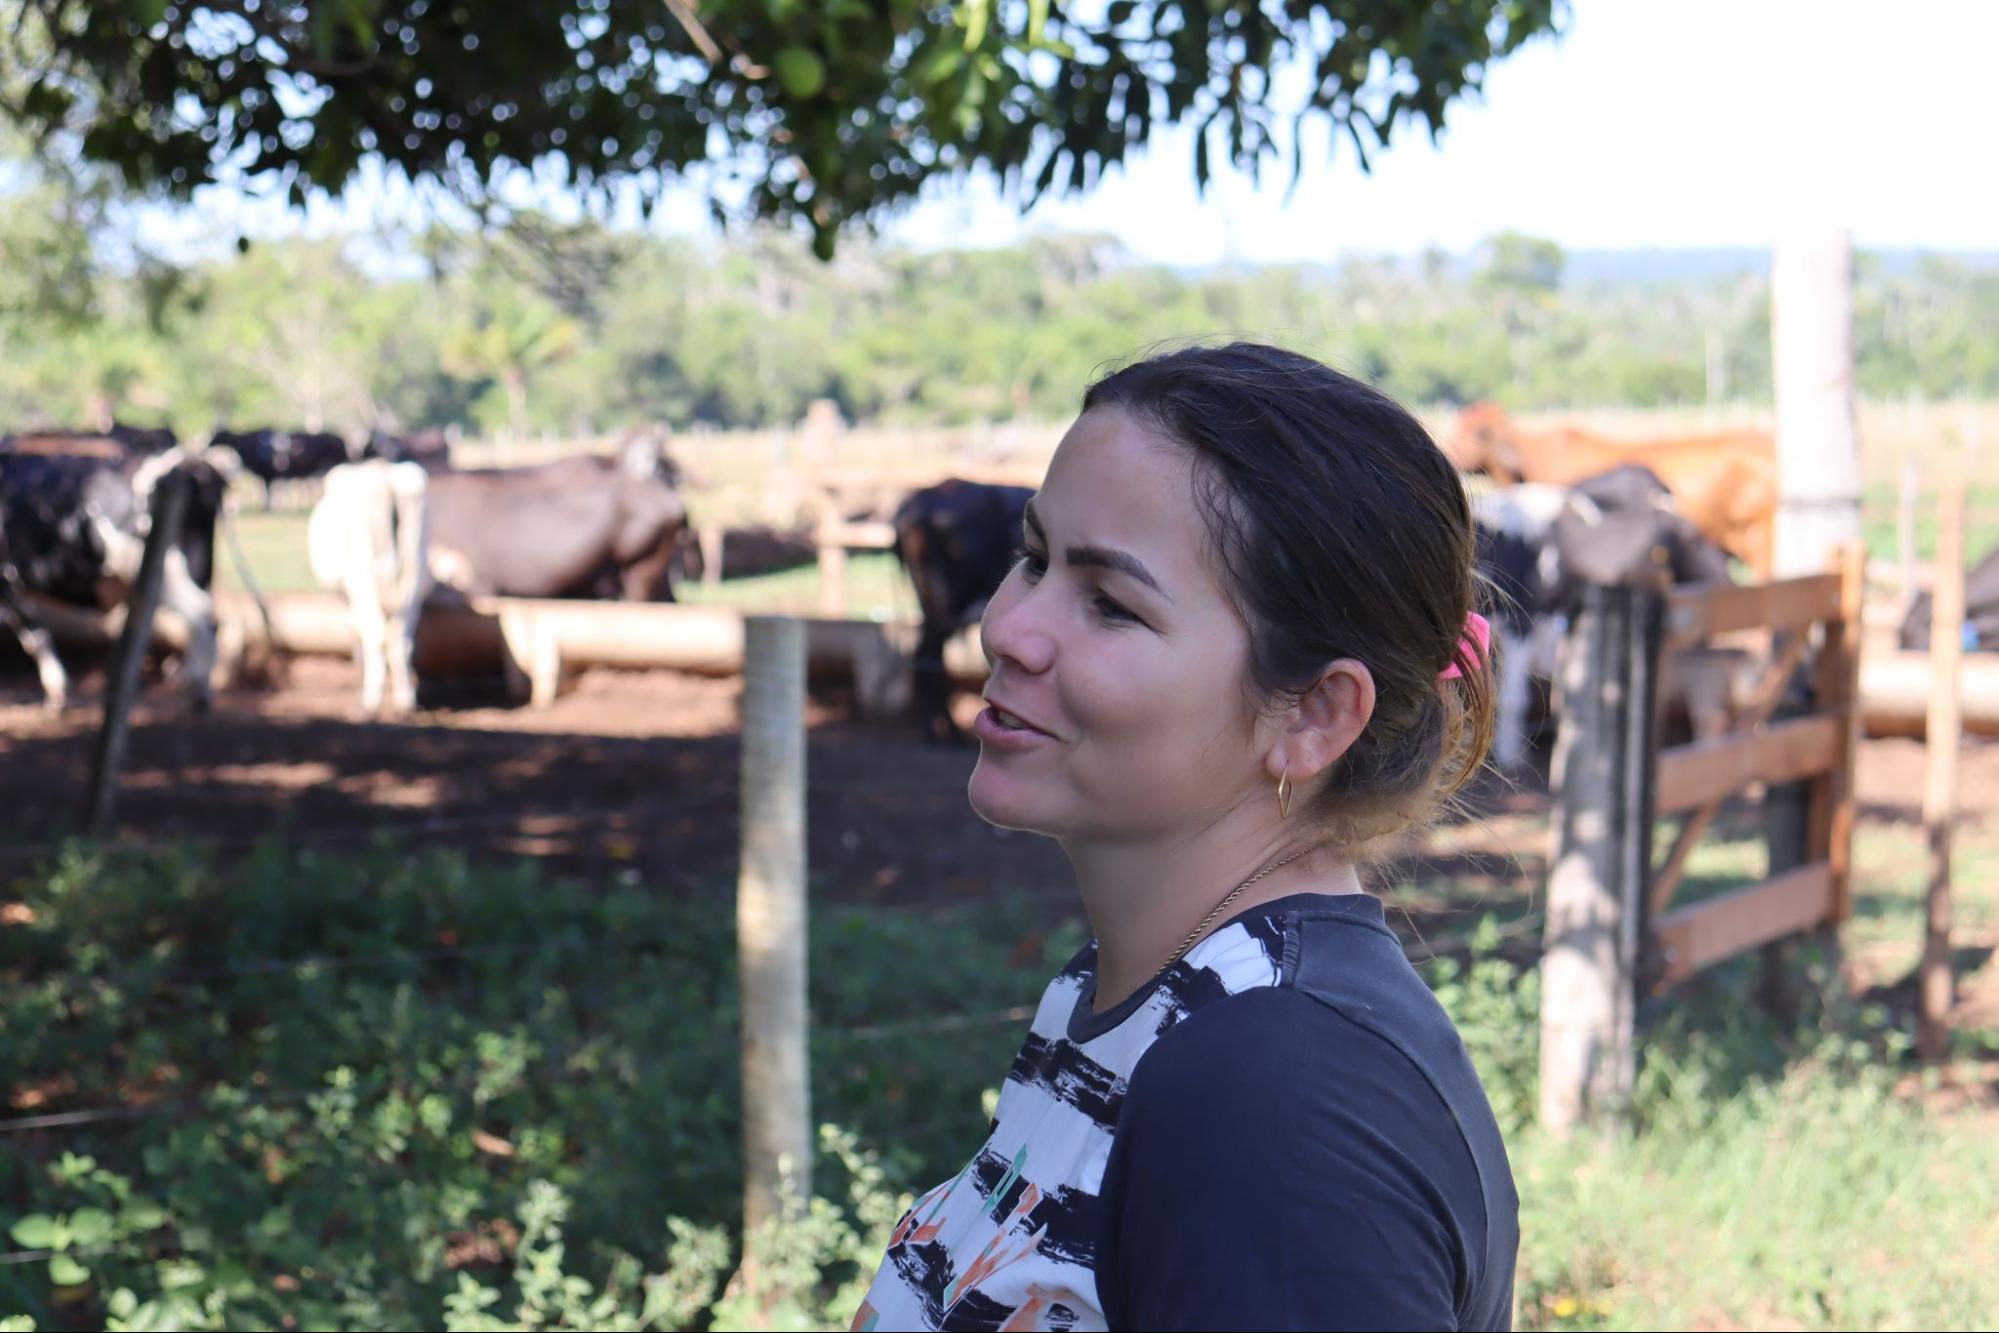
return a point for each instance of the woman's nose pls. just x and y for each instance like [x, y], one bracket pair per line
[1010, 629]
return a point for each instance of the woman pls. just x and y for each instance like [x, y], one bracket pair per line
[1240, 644]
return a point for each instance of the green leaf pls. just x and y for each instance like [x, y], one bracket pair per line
[1037, 20]
[90, 1226]
[977, 13]
[142, 1214]
[36, 1231]
[147, 12]
[942, 66]
[67, 1272]
[801, 71]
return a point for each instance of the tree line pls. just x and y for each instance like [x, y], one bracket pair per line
[578, 329]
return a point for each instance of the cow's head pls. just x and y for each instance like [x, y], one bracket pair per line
[1484, 442]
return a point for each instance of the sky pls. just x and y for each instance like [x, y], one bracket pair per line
[1649, 124]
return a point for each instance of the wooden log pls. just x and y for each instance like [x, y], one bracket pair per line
[1600, 858]
[771, 927]
[1935, 984]
[169, 504]
[1896, 688]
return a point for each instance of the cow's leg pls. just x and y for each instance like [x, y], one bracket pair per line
[1514, 671]
[190, 601]
[371, 634]
[650, 577]
[932, 690]
[401, 648]
[36, 640]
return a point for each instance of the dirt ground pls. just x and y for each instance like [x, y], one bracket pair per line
[626, 771]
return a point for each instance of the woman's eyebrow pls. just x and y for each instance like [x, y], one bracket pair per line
[1103, 557]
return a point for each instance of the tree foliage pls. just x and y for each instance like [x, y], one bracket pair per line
[579, 330]
[820, 111]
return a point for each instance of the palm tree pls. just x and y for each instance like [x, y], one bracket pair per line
[510, 338]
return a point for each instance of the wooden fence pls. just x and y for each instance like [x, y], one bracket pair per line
[1614, 932]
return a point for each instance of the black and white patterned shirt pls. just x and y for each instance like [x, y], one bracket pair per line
[1282, 1130]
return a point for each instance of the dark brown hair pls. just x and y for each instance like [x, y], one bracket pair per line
[1342, 531]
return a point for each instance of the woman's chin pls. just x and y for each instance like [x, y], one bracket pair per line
[1003, 801]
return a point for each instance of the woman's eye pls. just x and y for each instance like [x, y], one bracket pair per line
[1110, 610]
[1037, 564]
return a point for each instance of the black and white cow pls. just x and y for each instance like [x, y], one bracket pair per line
[75, 528]
[429, 448]
[580, 527]
[273, 456]
[1538, 545]
[956, 540]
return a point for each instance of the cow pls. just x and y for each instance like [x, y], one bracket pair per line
[1538, 544]
[589, 526]
[369, 539]
[1724, 483]
[273, 456]
[956, 540]
[17, 619]
[430, 448]
[1981, 611]
[76, 526]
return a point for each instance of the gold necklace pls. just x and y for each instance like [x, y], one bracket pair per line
[1208, 920]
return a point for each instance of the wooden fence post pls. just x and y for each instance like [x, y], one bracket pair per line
[169, 503]
[832, 576]
[1905, 532]
[711, 537]
[1600, 863]
[770, 923]
[1935, 983]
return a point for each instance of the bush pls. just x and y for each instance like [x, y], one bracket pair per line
[348, 1090]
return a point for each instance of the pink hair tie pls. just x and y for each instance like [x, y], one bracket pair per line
[1475, 646]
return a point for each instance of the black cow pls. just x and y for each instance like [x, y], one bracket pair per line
[957, 540]
[429, 449]
[579, 527]
[272, 456]
[1537, 547]
[75, 528]
[1981, 611]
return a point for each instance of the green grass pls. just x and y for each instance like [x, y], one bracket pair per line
[274, 546]
[1818, 1199]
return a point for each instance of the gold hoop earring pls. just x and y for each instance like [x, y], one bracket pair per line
[1284, 795]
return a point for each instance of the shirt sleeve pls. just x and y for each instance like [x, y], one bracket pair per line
[1279, 1166]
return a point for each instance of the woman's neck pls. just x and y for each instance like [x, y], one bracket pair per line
[1143, 898]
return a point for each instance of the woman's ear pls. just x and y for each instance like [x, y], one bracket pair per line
[1325, 723]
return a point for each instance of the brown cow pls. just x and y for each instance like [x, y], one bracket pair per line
[1725, 483]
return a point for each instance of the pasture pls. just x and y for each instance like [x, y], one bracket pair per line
[382, 1024]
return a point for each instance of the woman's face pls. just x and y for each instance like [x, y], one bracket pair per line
[1118, 709]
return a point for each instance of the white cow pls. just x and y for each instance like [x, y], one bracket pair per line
[369, 540]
